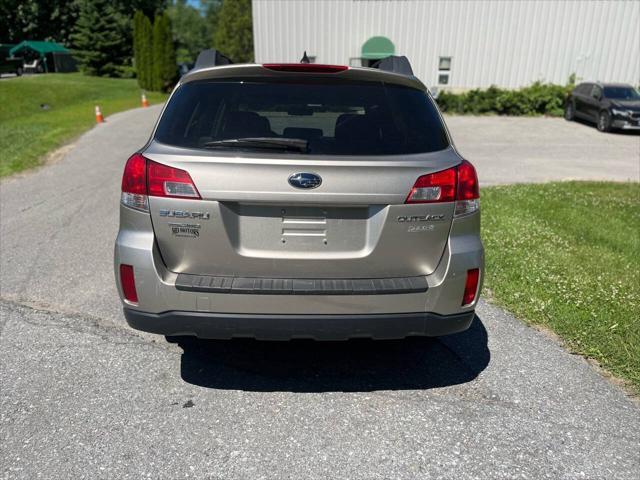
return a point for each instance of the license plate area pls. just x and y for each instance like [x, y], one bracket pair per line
[307, 232]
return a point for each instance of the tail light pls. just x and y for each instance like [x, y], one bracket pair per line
[471, 286]
[305, 67]
[143, 178]
[165, 181]
[128, 282]
[459, 184]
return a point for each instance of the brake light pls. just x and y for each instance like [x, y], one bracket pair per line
[434, 187]
[471, 286]
[459, 184]
[143, 178]
[128, 282]
[305, 67]
[468, 188]
[165, 181]
[134, 183]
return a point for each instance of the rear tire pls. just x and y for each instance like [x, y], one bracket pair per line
[604, 121]
[19, 72]
[569, 113]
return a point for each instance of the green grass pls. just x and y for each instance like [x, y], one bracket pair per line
[28, 132]
[567, 256]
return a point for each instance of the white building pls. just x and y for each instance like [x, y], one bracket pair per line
[459, 44]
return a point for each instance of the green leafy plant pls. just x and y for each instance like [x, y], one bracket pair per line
[536, 99]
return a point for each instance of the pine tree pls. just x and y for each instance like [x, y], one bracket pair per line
[164, 54]
[101, 38]
[233, 34]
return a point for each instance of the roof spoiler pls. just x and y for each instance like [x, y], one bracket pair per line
[211, 58]
[394, 64]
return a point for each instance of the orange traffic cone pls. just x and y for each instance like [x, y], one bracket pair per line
[99, 117]
[145, 103]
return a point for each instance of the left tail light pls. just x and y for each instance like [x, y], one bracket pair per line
[143, 178]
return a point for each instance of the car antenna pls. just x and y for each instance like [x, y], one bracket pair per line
[304, 58]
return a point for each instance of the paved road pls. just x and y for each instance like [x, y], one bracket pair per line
[83, 396]
[522, 149]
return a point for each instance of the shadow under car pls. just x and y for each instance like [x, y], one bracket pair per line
[349, 366]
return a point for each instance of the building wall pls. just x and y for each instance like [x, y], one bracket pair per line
[491, 42]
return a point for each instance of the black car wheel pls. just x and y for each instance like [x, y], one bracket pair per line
[568, 112]
[604, 122]
[19, 72]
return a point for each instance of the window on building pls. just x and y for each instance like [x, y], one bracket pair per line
[444, 70]
[444, 64]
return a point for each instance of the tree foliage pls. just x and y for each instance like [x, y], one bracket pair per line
[51, 20]
[233, 34]
[101, 38]
[190, 31]
[164, 55]
[143, 49]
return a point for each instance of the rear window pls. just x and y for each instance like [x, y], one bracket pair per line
[334, 117]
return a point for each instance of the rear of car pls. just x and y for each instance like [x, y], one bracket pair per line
[299, 201]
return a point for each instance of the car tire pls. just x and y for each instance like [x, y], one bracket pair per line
[569, 112]
[604, 121]
[19, 72]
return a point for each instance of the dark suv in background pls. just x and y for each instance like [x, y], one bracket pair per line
[609, 105]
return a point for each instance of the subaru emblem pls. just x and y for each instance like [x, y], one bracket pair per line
[305, 180]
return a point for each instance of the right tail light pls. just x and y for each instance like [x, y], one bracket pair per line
[459, 184]
[471, 286]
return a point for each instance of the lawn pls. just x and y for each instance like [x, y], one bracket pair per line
[28, 131]
[567, 256]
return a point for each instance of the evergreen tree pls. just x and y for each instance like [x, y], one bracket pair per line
[233, 34]
[142, 45]
[164, 54]
[101, 38]
[146, 53]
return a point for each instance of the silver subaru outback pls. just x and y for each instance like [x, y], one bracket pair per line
[284, 201]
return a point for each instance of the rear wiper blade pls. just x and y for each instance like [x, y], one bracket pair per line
[296, 144]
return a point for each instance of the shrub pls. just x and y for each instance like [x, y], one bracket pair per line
[536, 99]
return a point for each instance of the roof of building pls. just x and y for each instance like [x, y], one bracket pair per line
[40, 47]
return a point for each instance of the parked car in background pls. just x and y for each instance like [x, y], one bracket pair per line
[8, 63]
[609, 105]
[282, 201]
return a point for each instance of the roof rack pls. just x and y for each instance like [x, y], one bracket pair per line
[211, 58]
[394, 64]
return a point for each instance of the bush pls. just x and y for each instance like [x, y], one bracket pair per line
[536, 99]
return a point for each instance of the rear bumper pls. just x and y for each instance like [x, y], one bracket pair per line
[287, 327]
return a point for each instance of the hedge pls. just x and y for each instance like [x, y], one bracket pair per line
[536, 99]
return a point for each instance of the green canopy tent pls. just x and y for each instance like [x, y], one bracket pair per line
[50, 56]
[376, 48]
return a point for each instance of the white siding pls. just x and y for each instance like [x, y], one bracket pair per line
[499, 42]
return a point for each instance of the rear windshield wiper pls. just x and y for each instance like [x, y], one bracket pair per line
[287, 144]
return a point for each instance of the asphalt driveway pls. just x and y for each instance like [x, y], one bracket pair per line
[536, 149]
[83, 396]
